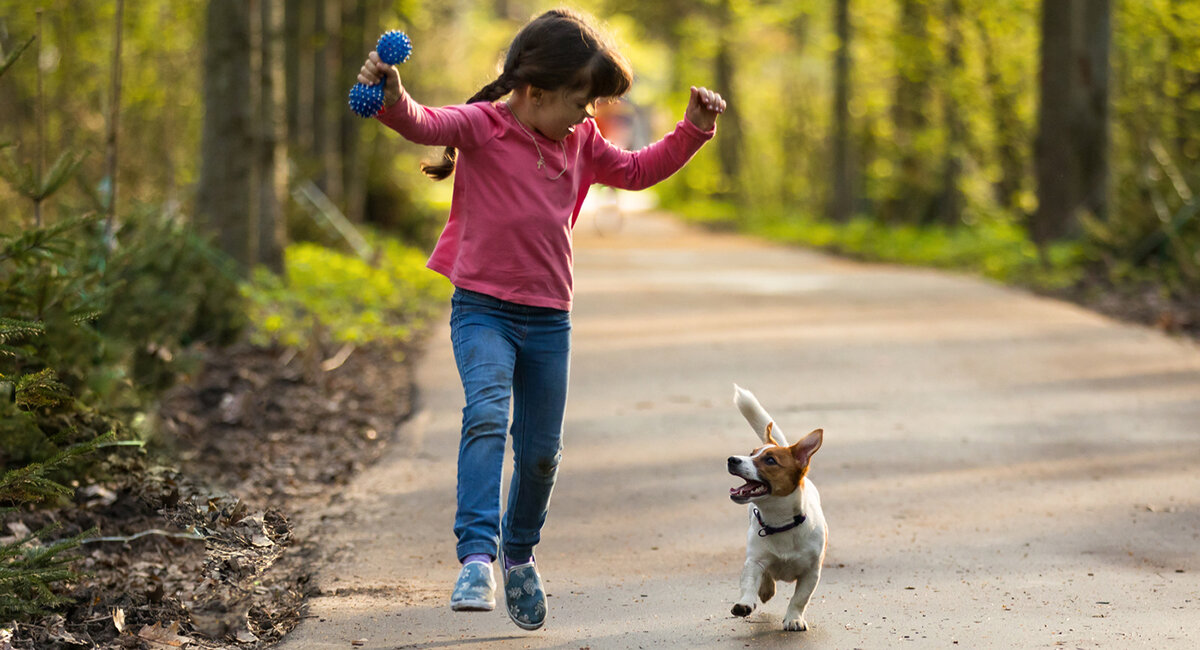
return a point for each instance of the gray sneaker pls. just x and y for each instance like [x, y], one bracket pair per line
[524, 596]
[475, 590]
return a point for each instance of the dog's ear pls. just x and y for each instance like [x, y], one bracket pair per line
[802, 451]
[767, 437]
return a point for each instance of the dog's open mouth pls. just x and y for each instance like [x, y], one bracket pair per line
[748, 491]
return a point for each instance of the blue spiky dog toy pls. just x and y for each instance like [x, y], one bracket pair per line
[394, 47]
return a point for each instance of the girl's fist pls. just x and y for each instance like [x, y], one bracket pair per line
[374, 69]
[703, 108]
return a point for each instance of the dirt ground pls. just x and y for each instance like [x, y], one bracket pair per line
[195, 544]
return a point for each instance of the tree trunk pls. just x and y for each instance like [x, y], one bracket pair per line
[272, 144]
[1010, 135]
[1093, 121]
[914, 190]
[1186, 104]
[361, 35]
[1072, 144]
[113, 128]
[326, 64]
[294, 47]
[841, 205]
[302, 17]
[729, 145]
[227, 145]
[795, 139]
[951, 203]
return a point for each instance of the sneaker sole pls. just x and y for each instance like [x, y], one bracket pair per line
[472, 606]
[525, 626]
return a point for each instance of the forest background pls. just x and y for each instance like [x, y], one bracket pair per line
[187, 173]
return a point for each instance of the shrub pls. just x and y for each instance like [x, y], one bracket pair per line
[329, 297]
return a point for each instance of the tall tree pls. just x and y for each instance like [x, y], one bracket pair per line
[1183, 42]
[841, 205]
[951, 203]
[113, 127]
[227, 144]
[1071, 152]
[730, 145]
[328, 106]
[914, 188]
[272, 143]
[1011, 133]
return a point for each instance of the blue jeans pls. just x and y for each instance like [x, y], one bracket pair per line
[508, 352]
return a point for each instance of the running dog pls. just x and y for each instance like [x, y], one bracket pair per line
[787, 535]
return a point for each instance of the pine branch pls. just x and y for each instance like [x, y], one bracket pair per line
[28, 574]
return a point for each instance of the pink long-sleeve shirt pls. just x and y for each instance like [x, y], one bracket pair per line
[509, 230]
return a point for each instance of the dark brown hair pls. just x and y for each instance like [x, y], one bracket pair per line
[557, 50]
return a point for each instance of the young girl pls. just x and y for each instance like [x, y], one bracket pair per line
[522, 168]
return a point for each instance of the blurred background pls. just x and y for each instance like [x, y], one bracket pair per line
[984, 126]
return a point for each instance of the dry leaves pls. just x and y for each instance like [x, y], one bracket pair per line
[163, 637]
[277, 443]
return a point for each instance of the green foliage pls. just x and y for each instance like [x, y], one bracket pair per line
[23, 177]
[34, 483]
[89, 336]
[995, 246]
[14, 55]
[337, 298]
[40, 390]
[29, 570]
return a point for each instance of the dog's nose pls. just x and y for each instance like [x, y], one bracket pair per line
[733, 461]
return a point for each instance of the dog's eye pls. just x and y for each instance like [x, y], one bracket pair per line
[770, 460]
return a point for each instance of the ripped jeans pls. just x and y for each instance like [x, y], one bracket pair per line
[508, 352]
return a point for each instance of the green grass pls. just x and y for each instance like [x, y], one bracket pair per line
[994, 246]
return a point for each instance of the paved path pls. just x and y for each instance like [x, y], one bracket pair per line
[999, 470]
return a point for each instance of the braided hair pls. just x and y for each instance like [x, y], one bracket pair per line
[557, 50]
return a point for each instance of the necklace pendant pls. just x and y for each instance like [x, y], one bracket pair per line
[541, 163]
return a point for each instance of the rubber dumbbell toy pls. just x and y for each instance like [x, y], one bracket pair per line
[393, 47]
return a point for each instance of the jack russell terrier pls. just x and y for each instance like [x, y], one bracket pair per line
[787, 534]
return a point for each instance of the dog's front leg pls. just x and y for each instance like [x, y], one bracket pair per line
[752, 577]
[793, 618]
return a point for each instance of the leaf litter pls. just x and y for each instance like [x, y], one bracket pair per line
[197, 544]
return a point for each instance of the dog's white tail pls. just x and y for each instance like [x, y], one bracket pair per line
[756, 415]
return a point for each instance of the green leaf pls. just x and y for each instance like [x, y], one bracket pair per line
[60, 172]
[14, 55]
[14, 329]
[18, 174]
[41, 389]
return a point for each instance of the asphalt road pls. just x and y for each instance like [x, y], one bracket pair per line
[999, 470]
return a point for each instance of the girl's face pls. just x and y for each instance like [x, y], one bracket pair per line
[559, 112]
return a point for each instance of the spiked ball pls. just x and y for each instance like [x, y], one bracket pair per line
[393, 47]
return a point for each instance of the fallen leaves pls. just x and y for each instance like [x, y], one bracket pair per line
[163, 637]
[185, 564]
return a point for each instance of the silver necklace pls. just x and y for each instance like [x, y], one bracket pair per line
[541, 159]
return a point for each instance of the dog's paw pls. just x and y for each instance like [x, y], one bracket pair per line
[795, 625]
[742, 610]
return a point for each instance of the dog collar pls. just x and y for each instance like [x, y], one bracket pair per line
[771, 530]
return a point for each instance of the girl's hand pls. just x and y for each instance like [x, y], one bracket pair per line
[375, 69]
[703, 108]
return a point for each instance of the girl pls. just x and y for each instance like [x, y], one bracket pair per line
[522, 168]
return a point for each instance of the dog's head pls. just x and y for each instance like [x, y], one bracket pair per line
[773, 470]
